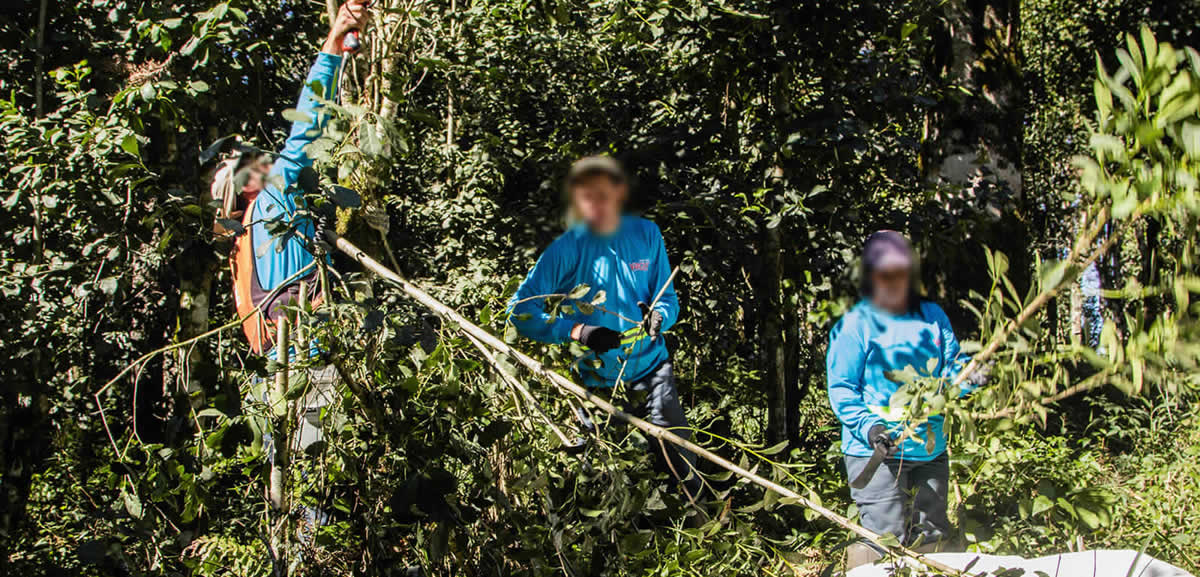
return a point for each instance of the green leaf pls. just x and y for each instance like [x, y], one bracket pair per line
[108, 285]
[1178, 109]
[190, 46]
[211, 412]
[1107, 146]
[1131, 65]
[293, 115]
[579, 291]
[132, 503]
[198, 86]
[1124, 206]
[1104, 99]
[231, 225]
[297, 388]
[148, 93]
[130, 144]
[1190, 139]
[599, 298]
[1053, 273]
[1041, 504]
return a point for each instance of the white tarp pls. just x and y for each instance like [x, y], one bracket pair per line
[1099, 563]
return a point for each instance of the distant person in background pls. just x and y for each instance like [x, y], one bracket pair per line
[892, 328]
[623, 256]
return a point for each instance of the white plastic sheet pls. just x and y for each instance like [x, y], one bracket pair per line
[1098, 563]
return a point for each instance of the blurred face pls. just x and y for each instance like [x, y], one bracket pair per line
[890, 289]
[598, 200]
[256, 174]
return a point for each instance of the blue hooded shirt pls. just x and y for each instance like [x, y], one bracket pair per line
[629, 265]
[866, 345]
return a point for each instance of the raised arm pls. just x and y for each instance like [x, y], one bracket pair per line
[844, 373]
[277, 259]
[320, 85]
[547, 277]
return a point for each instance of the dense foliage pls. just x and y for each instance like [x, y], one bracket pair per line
[766, 139]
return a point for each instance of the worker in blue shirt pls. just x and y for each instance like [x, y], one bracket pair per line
[892, 328]
[624, 257]
[267, 268]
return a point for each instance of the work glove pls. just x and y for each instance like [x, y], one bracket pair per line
[652, 321]
[879, 439]
[980, 376]
[599, 339]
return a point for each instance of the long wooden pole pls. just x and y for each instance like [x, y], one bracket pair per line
[651, 429]
[281, 415]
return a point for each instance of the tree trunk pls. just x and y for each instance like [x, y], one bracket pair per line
[1151, 267]
[775, 322]
[772, 343]
[777, 330]
[1112, 277]
[24, 437]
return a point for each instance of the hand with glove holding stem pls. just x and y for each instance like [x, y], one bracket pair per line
[652, 321]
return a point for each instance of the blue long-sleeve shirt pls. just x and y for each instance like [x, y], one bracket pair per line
[630, 266]
[278, 258]
[866, 345]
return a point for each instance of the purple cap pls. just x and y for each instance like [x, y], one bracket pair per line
[887, 249]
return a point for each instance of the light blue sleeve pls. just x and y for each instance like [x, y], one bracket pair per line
[275, 262]
[549, 276]
[844, 364]
[660, 271]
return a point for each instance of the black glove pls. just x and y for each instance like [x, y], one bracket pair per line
[879, 439]
[599, 339]
[652, 321]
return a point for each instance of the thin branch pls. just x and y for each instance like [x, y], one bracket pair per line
[519, 388]
[1091, 383]
[205, 335]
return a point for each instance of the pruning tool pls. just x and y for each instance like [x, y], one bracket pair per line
[884, 447]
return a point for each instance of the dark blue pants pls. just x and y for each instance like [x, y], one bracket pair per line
[905, 498]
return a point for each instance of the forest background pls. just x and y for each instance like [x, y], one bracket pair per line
[766, 139]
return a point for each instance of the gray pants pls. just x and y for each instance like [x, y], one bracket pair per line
[905, 498]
